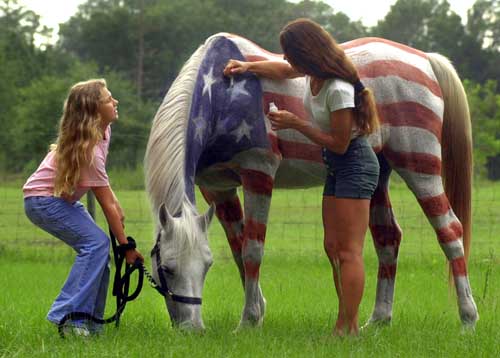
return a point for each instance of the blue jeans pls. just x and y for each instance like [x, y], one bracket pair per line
[353, 174]
[86, 287]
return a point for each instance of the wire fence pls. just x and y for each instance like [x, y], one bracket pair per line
[294, 224]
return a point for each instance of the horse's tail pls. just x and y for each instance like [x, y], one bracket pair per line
[456, 144]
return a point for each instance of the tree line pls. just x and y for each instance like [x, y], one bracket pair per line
[140, 45]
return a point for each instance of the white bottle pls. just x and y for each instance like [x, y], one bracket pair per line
[272, 107]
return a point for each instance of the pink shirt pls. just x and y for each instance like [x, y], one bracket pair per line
[41, 182]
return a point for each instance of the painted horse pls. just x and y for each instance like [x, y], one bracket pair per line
[212, 131]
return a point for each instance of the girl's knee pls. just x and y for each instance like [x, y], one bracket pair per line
[99, 242]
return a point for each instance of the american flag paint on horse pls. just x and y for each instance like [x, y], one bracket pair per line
[212, 131]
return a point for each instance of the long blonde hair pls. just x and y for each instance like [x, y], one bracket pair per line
[79, 132]
[313, 51]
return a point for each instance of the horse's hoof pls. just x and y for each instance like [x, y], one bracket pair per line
[376, 323]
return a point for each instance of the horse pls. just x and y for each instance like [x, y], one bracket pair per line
[212, 131]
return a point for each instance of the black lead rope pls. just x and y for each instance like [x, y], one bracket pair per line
[121, 285]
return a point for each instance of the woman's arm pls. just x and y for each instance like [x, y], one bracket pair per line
[277, 70]
[336, 141]
[106, 199]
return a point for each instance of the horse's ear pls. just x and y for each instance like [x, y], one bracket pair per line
[164, 216]
[205, 220]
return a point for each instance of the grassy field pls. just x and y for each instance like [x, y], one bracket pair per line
[295, 278]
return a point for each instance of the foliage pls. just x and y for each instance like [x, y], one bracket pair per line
[139, 46]
[485, 113]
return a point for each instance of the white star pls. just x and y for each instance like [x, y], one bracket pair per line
[199, 130]
[239, 90]
[209, 80]
[242, 131]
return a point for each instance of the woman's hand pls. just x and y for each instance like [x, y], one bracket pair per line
[234, 67]
[132, 256]
[284, 120]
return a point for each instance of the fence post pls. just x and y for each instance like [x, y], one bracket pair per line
[91, 204]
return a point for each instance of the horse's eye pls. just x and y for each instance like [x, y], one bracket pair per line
[168, 270]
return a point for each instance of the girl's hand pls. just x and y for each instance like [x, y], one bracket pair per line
[284, 120]
[235, 67]
[133, 255]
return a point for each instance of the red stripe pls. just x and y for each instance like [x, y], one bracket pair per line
[289, 103]
[387, 271]
[459, 267]
[410, 114]
[257, 182]
[229, 211]
[367, 40]
[435, 205]
[254, 231]
[235, 242]
[417, 162]
[251, 269]
[386, 236]
[273, 140]
[302, 151]
[255, 58]
[450, 233]
[381, 198]
[400, 69]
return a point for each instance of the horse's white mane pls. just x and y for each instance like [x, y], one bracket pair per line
[166, 149]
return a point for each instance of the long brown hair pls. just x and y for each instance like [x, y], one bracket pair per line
[79, 132]
[314, 52]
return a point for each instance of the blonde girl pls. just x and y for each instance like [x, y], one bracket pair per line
[75, 165]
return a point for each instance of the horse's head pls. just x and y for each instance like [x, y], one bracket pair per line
[181, 259]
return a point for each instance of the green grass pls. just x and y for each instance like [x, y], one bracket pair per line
[295, 278]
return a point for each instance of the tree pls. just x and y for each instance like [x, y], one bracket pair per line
[406, 22]
[485, 113]
[149, 40]
[19, 63]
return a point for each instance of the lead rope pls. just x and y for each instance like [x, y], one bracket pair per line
[121, 286]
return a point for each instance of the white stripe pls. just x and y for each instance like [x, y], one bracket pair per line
[256, 206]
[293, 136]
[411, 140]
[394, 89]
[257, 159]
[292, 87]
[378, 51]
[387, 255]
[422, 185]
[453, 249]
[443, 221]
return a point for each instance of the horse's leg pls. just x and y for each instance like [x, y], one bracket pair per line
[257, 172]
[230, 215]
[386, 235]
[430, 194]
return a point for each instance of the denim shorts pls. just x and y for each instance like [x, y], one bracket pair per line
[353, 174]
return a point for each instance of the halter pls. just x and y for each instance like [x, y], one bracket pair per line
[162, 288]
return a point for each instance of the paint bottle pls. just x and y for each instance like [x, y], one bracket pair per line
[272, 107]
